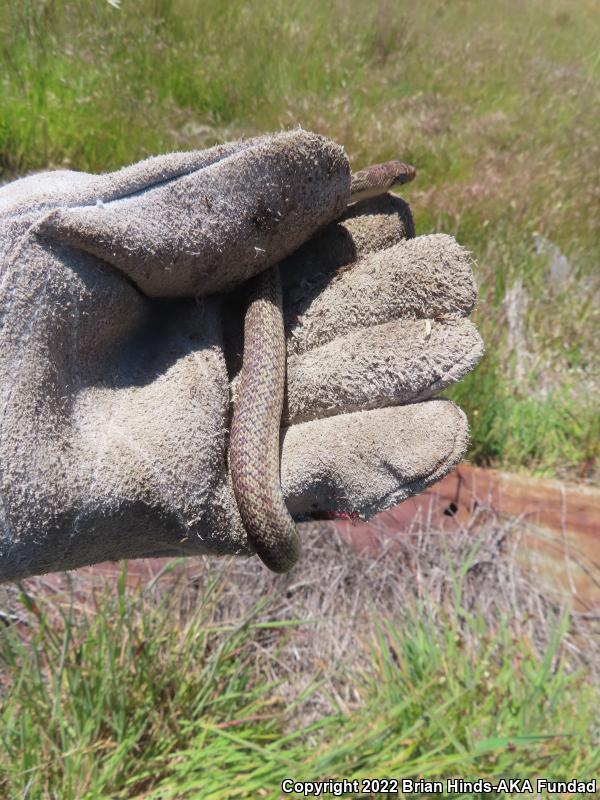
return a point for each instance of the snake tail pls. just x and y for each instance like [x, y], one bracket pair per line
[254, 440]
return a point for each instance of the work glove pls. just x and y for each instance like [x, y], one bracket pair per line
[121, 341]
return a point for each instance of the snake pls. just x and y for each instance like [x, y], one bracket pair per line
[254, 441]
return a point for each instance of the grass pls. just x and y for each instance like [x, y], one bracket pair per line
[128, 696]
[495, 103]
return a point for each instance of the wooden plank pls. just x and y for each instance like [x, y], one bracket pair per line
[558, 524]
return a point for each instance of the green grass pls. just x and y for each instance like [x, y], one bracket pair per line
[496, 103]
[130, 699]
[552, 435]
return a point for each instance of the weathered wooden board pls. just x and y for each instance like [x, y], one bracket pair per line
[558, 523]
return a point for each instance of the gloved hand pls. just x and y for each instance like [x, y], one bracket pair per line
[120, 343]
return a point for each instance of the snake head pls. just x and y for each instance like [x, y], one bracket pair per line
[380, 178]
[399, 173]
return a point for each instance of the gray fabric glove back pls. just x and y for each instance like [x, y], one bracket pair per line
[120, 344]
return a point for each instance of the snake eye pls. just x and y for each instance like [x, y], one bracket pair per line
[406, 174]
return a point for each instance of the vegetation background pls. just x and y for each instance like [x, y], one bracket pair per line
[498, 106]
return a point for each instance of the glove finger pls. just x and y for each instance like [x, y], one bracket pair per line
[372, 460]
[219, 225]
[365, 227]
[69, 188]
[394, 363]
[424, 278]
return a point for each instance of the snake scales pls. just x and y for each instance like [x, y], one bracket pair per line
[254, 440]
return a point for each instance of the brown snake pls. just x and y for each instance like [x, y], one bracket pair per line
[254, 440]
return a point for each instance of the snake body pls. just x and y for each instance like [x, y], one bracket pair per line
[254, 439]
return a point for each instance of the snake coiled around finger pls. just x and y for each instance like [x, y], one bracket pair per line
[254, 447]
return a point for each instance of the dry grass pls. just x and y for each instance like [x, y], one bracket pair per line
[219, 679]
[336, 596]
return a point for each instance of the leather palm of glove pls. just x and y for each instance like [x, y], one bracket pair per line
[121, 339]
